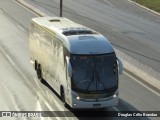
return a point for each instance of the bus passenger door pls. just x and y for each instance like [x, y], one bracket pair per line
[68, 80]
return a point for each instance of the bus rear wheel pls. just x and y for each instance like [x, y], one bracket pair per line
[35, 65]
[39, 71]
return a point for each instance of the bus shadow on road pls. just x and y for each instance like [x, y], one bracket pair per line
[124, 107]
[44, 82]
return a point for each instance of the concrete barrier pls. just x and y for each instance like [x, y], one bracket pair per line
[146, 74]
[144, 7]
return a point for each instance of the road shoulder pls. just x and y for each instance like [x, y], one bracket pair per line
[146, 8]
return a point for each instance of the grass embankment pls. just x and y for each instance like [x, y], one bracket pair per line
[152, 4]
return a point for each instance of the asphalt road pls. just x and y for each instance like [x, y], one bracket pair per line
[21, 90]
[130, 28]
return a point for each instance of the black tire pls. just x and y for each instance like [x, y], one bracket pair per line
[63, 97]
[39, 72]
[43, 81]
[35, 65]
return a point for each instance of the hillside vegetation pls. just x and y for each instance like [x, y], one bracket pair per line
[152, 4]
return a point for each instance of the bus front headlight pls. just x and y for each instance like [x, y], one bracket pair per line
[114, 96]
[78, 98]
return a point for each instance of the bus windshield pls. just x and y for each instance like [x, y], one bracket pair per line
[94, 72]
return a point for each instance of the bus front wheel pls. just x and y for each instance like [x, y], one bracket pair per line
[63, 97]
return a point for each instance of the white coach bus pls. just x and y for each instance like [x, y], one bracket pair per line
[77, 62]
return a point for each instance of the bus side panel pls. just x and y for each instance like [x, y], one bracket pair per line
[47, 49]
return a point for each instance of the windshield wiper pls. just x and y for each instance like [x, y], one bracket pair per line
[92, 80]
[100, 80]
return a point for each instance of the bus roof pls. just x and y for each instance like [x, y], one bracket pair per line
[60, 24]
[95, 44]
[78, 38]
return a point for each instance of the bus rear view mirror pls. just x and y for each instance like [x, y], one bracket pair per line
[120, 66]
[69, 67]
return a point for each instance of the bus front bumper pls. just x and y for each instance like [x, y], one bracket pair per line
[82, 104]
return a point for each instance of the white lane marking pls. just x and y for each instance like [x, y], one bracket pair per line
[5, 10]
[142, 84]
[36, 81]
[13, 64]
[1, 11]
[141, 6]
[10, 60]
[109, 2]
[25, 7]
[12, 98]
[48, 106]
[39, 109]
[116, 109]
[38, 106]
[21, 28]
[81, 14]
[55, 101]
[57, 104]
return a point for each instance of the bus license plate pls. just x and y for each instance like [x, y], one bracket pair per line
[96, 105]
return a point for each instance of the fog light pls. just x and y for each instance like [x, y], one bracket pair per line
[114, 95]
[77, 98]
[74, 104]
